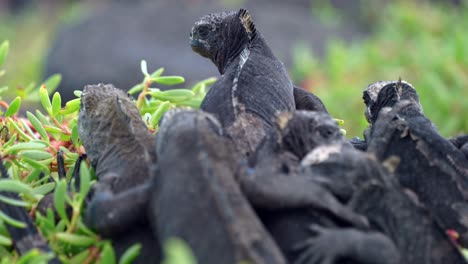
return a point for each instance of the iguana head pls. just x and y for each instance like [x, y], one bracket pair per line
[302, 131]
[184, 124]
[222, 36]
[106, 113]
[386, 94]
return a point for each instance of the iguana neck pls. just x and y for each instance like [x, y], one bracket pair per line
[223, 59]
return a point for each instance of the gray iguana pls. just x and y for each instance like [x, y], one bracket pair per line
[121, 149]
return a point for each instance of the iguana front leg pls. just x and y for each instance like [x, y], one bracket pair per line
[461, 142]
[329, 245]
[276, 191]
[110, 213]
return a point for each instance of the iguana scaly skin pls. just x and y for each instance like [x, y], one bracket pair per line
[197, 197]
[430, 165]
[401, 229]
[122, 151]
[254, 85]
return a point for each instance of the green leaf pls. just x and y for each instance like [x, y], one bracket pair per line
[157, 73]
[11, 221]
[12, 201]
[32, 176]
[339, 121]
[71, 106]
[18, 129]
[76, 240]
[45, 101]
[42, 117]
[173, 95]
[75, 136]
[59, 199]
[156, 116]
[83, 228]
[56, 103]
[77, 93]
[35, 164]
[61, 225]
[4, 51]
[37, 126]
[169, 80]
[36, 154]
[130, 254]
[44, 189]
[144, 68]
[200, 87]
[5, 241]
[46, 224]
[14, 107]
[52, 82]
[29, 89]
[108, 254]
[85, 180]
[343, 131]
[25, 126]
[34, 256]
[31, 145]
[53, 129]
[3, 89]
[194, 103]
[135, 89]
[80, 257]
[9, 185]
[177, 251]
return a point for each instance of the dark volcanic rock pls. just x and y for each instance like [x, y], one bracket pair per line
[108, 44]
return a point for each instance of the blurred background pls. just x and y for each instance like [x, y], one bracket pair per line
[334, 48]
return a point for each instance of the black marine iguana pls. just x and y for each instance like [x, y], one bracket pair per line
[431, 166]
[254, 85]
[196, 196]
[198, 168]
[122, 150]
[357, 179]
[280, 154]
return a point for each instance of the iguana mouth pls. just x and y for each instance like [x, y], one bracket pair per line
[201, 47]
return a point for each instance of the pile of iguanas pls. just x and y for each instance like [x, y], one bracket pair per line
[262, 173]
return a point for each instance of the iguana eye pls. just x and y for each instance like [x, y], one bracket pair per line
[326, 132]
[203, 31]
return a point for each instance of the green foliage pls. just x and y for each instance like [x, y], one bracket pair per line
[153, 102]
[421, 42]
[29, 146]
[3, 51]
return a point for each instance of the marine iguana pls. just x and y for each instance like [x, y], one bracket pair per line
[434, 168]
[196, 196]
[357, 179]
[121, 149]
[280, 153]
[195, 160]
[26, 238]
[254, 85]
